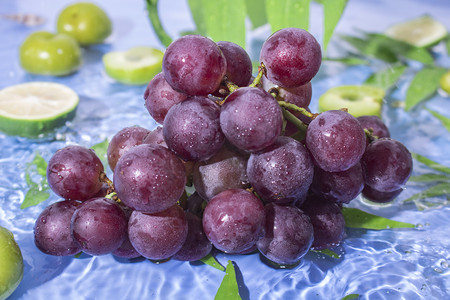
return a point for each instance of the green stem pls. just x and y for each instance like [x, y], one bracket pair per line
[297, 123]
[294, 107]
[258, 77]
[152, 10]
[231, 86]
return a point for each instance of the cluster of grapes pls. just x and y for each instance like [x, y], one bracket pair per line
[268, 174]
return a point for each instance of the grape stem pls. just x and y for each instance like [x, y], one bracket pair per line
[294, 120]
[104, 178]
[261, 72]
[231, 86]
[294, 107]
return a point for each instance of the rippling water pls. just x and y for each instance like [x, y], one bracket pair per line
[387, 264]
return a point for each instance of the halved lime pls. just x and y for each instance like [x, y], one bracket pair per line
[30, 109]
[420, 32]
[360, 100]
[444, 82]
[136, 66]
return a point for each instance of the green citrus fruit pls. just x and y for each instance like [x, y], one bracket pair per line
[11, 262]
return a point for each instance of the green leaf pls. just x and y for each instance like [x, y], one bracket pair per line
[152, 11]
[444, 120]
[348, 60]
[447, 44]
[430, 177]
[386, 77]
[101, 150]
[332, 12]
[228, 289]
[34, 196]
[371, 48]
[220, 20]
[40, 164]
[430, 163]
[211, 261]
[328, 252]
[434, 191]
[351, 296]
[424, 84]
[256, 11]
[288, 13]
[355, 218]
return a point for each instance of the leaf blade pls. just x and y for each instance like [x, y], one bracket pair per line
[386, 78]
[355, 218]
[256, 12]
[228, 289]
[210, 260]
[434, 191]
[333, 10]
[430, 163]
[288, 13]
[429, 177]
[444, 120]
[34, 196]
[423, 85]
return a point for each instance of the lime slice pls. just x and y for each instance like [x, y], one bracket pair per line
[33, 108]
[136, 66]
[420, 32]
[360, 100]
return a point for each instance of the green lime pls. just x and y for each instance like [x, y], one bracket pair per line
[136, 66]
[30, 109]
[445, 82]
[360, 100]
[419, 32]
[11, 262]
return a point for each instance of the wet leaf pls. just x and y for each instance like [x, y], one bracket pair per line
[430, 163]
[211, 261]
[351, 296]
[228, 289]
[34, 196]
[40, 164]
[101, 150]
[288, 13]
[328, 252]
[444, 120]
[423, 85]
[429, 177]
[37, 191]
[386, 78]
[355, 218]
[332, 12]
[434, 191]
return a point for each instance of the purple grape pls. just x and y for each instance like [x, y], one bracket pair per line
[225, 170]
[251, 119]
[192, 129]
[387, 165]
[282, 173]
[122, 141]
[340, 187]
[288, 234]
[52, 233]
[327, 221]
[160, 97]
[233, 220]
[239, 64]
[379, 197]
[292, 57]
[149, 178]
[194, 65]
[197, 244]
[126, 250]
[155, 137]
[160, 235]
[376, 125]
[336, 140]
[99, 226]
[298, 95]
[73, 172]
[195, 204]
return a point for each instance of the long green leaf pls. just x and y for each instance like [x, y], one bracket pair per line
[332, 12]
[371, 48]
[228, 289]
[424, 84]
[225, 20]
[256, 11]
[355, 218]
[196, 7]
[430, 177]
[430, 163]
[288, 13]
[348, 60]
[444, 120]
[211, 261]
[152, 10]
[434, 191]
[387, 77]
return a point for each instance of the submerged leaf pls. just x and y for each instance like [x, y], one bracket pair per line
[434, 191]
[355, 218]
[328, 252]
[34, 196]
[228, 289]
[444, 120]
[424, 84]
[37, 191]
[332, 12]
[211, 261]
[288, 13]
[430, 163]
[351, 296]
[430, 177]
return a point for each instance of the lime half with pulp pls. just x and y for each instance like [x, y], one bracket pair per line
[33, 108]
[419, 32]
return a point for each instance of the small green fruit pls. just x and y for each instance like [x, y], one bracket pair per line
[360, 100]
[11, 262]
[136, 66]
[86, 22]
[445, 82]
[46, 53]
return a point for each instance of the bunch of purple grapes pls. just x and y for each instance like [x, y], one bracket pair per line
[269, 175]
